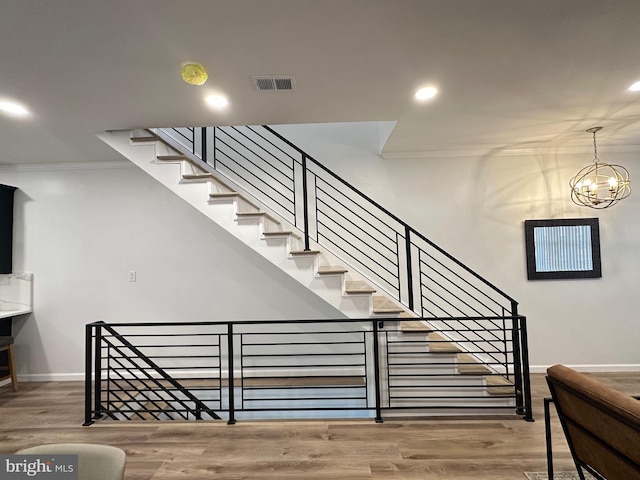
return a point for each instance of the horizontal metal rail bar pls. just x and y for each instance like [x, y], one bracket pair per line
[239, 323]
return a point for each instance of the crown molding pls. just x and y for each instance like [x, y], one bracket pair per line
[48, 167]
[509, 152]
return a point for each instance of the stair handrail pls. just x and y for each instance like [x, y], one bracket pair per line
[410, 232]
[390, 214]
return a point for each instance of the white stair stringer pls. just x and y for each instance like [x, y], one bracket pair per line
[242, 217]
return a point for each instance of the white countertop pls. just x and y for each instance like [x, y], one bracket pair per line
[16, 294]
[13, 313]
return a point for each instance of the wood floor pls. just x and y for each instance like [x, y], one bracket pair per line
[496, 448]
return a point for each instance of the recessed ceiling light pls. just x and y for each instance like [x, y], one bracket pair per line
[426, 93]
[635, 87]
[218, 102]
[14, 109]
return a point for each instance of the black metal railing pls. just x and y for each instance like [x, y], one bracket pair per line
[338, 217]
[298, 368]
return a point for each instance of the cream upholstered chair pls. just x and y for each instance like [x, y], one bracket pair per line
[95, 462]
[6, 344]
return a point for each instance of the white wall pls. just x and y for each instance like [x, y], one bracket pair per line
[81, 228]
[475, 208]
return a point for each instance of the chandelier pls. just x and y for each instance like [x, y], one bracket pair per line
[599, 185]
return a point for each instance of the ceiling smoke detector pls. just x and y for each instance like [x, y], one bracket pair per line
[274, 83]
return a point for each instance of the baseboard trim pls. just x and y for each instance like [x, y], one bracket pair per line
[624, 367]
[49, 167]
[51, 377]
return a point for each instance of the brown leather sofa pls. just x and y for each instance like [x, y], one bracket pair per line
[601, 424]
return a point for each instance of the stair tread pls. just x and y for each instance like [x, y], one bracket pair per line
[498, 385]
[166, 158]
[143, 139]
[384, 305]
[414, 326]
[358, 286]
[223, 194]
[498, 381]
[331, 270]
[440, 344]
[304, 252]
[258, 214]
[191, 176]
[278, 233]
[232, 194]
[251, 214]
[468, 365]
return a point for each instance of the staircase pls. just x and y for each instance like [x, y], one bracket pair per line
[443, 319]
[256, 225]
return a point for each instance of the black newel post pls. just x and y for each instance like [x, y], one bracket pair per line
[305, 203]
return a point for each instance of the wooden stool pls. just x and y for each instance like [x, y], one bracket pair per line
[6, 344]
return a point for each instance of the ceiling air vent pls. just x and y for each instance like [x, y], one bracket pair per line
[274, 83]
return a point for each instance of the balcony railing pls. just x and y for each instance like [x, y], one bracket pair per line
[297, 369]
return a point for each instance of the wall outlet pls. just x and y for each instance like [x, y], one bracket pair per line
[132, 275]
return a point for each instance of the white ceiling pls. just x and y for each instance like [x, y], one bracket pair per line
[513, 75]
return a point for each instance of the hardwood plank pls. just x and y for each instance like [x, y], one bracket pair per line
[478, 448]
[309, 470]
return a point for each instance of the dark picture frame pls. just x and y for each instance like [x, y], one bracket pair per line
[563, 249]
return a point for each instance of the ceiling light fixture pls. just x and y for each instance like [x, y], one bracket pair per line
[426, 93]
[635, 87]
[14, 109]
[194, 73]
[599, 185]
